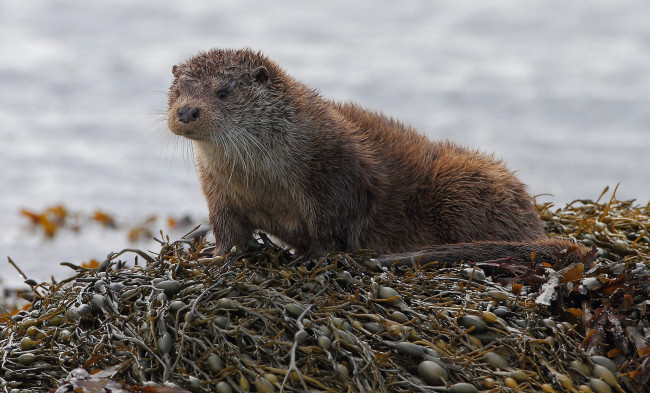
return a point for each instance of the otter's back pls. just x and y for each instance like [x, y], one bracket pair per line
[439, 192]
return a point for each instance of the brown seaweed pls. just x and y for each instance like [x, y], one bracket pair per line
[261, 320]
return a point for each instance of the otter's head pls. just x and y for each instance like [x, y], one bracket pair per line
[219, 95]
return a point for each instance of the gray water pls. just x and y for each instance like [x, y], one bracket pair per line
[559, 90]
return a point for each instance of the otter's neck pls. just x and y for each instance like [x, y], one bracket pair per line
[240, 164]
[309, 115]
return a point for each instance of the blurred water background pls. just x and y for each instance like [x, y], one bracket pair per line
[559, 90]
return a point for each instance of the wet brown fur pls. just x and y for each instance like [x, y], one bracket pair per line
[274, 155]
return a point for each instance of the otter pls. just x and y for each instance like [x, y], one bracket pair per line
[274, 155]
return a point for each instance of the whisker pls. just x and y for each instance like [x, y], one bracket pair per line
[232, 171]
[152, 114]
[244, 153]
[260, 146]
[187, 151]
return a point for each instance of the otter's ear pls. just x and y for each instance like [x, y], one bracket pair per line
[261, 75]
[176, 71]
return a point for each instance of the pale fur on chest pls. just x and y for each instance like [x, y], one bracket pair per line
[256, 188]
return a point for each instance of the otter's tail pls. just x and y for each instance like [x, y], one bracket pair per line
[553, 251]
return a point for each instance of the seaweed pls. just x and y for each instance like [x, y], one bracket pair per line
[260, 319]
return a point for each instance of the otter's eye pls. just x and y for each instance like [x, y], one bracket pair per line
[221, 94]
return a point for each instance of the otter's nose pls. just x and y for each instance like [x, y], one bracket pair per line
[187, 114]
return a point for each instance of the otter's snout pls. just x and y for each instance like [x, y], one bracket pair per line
[188, 114]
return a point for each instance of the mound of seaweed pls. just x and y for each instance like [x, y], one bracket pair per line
[260, 320]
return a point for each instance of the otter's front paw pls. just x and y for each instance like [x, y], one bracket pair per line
[250, 244]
